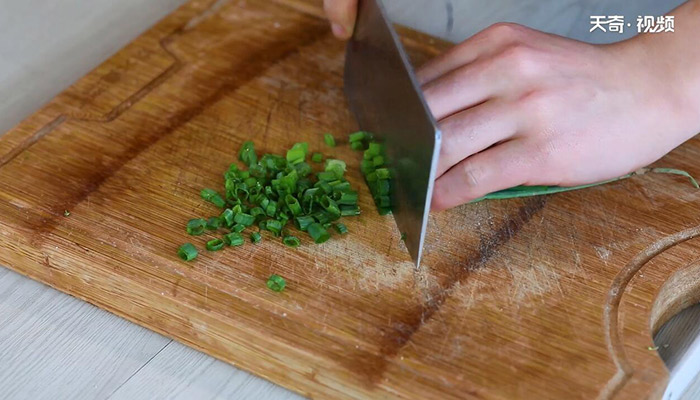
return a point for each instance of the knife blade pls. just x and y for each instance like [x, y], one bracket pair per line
[385, 98]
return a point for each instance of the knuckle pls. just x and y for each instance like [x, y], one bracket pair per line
[505, 30]
[521, 59]
[471, 174]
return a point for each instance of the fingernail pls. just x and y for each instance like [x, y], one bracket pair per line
[338, 30]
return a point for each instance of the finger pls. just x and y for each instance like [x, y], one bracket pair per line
[501, 167]
[483, 43]
[473, 130]
[342, 15]
[462, 88]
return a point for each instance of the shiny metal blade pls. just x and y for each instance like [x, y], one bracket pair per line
[386, 99]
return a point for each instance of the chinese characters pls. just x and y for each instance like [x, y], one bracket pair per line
[645, 24]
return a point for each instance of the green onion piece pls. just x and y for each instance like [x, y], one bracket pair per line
[336, 166]
[382, 201]
[195, 227]
[383, 173]
[255, 237]
[358, 136]
[187, 252]
[383, 187]
[215, 245]
[378, 161]
[238, 228]
[329, 139]
[303, 169]
[303, 222]
[348, 211]
[233, 239]
[276, 283]
[324, 186]
[403, 237]
[247, 153]
[330, 206]
[66, 213]
[227, 217]
[341, 228]
[326, 176]
[271, 209]
[213, 196]
[375, 149]
[295, 155]
[367, 166]
[357, 145]
[318, 233]
[293, 204]
[237, 209]
[348, 198]
[213, 223]
[317, 157]
[257, 211]
[291, 241]
[384, 210]
[244, 219]
[274, 226]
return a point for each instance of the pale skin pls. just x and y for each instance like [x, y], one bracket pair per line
[521, 107]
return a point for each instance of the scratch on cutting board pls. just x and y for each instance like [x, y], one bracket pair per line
[535, 280]
[603, 252]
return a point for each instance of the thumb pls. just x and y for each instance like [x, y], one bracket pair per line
[342, 15]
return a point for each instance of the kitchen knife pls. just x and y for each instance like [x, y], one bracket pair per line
[386, 100]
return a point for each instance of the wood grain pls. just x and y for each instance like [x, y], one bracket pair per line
[545, 298]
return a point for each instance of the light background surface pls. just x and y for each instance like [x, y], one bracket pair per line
[53, 346]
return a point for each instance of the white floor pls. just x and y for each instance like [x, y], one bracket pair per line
[53, 346]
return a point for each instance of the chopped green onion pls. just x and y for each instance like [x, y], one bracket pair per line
[336, 166]
[326, 176]
[255, 237]
[66, 213]
[276, 283]
[195, 227]
[187, 252]
[348, 211]
[247, 154]
[291, 241]
[238, 228]
[227, 217]
[233, 239]
[341, 228]
[293, 204]
[329, 139]
[274, 226]
[317, 157]
[303, 222]
[348, 198]
[215, 245]
[358, 136]
[383, 173]
[318, 233]
[213, 223]
[357, 146]
[244, 219]
[213, 197]
[403, 237]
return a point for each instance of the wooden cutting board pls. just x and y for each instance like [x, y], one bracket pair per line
[548, 298]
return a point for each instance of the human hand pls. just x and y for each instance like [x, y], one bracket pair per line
[521, 107]
[342, 15]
